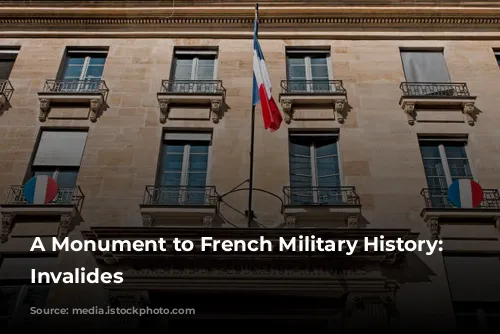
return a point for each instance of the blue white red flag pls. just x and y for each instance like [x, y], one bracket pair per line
[465, 194]
[40, 189]
[262, 85]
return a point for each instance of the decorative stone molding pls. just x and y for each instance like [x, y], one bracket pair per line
[290, 221]
[286, 105]
[433, 226]
[352, 221]
[469, 110]
[147, 220]
[44, 110]
[96, 106]
[7, 224]
[339, 109]
[207, 221]
[64, 226]
[163, 110]
[215, 110]
[409, 109]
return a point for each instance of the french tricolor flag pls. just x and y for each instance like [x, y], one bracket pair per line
[40, 189]
[465, 194]
[262, 84]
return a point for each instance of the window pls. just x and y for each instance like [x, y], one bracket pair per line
[473, 282]
[192, 66]
[82, 70]
[58, 155]
[315, 169]
[184, 167]
[7, 59]
[497, 56]
[444, 162]
[17, 298]
[308, 71]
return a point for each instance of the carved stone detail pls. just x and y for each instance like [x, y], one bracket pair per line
[352, 221]
[7, 223]
[64, 226]
[290, 221]
[469, 112]
[286, 105]
[433, 226]
[163, 110]
[147, 220]
[410, 112]
[339, 109]
[44, 110]
[207, 221]
[215, 109]
[95, 109]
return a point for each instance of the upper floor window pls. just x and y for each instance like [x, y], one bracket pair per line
[308, 70]
[425, 66]
[497, 56]
[184, 167]
[82, 70]
[58, 155]
[314, 168]
[194, 71]
[7, 59]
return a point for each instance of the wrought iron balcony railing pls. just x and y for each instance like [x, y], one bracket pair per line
[321, 196]
[192, 87]
[313, 87]
[94, 86]
[65, 196]
[434, 89]
[180, 195]
[6, 89]
[437, 198]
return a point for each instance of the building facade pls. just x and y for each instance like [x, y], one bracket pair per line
[141, 111]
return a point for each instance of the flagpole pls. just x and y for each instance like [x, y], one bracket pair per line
[252, 140]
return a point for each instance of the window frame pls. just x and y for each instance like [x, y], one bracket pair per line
[307, 54]
[88, 52]
[444, 159]
[196, 54]
[313, 157]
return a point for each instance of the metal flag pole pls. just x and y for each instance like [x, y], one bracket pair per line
[252, 140]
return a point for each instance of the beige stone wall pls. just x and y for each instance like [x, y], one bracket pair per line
[379, 150]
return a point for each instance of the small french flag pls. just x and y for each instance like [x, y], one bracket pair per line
[465, 194]
[40, 189]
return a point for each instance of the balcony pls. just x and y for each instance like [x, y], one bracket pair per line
[92, 93]
[191, 92]
[179, 206]
[427, 95]
[6, 91]
[67, 206]
[312, 92]
[439, 210]
[325, 207]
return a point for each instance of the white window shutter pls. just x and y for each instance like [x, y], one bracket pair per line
[60, 148]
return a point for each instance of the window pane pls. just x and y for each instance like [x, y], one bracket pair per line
[197, 179]
[97, 60]
[173, 162]
[327, 166]
[325, 146]
[183, 68]
[76, 60]
[205, 69]
[171, 179]
[67, 179]
[198, 162]
[300, 165]
[94, 72]
[199, 148]
[429, 150]
[8, 299]
[455, 151]
[300, 145]
[73, 72]
[174, 148]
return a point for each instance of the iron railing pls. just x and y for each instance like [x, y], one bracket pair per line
[313, 87]
[6, 89]
[437, 198]
[65, 196]
[321, 196]
[192, 87]
[434, 89]
[95, 86]
[180, 195]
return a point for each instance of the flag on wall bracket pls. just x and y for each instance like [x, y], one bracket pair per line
[262, 83]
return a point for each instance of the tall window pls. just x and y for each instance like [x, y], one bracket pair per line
[16, 298]
[184, 167]
[7, 59]
[429, 69]
[308, 71]
[83, 70]
[444, 162]
[314, 169]
[473, 282]
[59, 154]
[198, 66]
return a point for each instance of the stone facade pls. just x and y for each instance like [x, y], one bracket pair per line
[379, 150]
